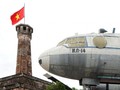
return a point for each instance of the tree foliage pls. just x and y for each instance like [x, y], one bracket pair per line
[56, 86]
[74, 89]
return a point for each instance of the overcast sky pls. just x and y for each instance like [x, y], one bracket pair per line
[52, 21]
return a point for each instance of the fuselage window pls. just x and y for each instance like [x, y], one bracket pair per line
[99, 42]
[106, 41]
[113, 42]
[76, 42]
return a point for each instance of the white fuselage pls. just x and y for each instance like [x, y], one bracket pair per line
[85, 56]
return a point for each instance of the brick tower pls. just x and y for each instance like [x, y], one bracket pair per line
[24, 34]
[23, 79]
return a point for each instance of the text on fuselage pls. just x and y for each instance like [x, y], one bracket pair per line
[78, 50]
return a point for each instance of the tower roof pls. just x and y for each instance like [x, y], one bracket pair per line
[24, 27]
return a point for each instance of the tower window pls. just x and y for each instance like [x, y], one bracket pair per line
[24, 28]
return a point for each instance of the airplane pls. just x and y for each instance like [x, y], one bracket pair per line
[93, 59]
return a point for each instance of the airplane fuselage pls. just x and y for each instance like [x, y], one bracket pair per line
[85, 56]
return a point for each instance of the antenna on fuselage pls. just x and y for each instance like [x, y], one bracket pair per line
[113, 30]
[102, 30]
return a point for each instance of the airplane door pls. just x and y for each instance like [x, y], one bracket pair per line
[92, 63]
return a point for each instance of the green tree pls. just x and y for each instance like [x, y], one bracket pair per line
[56, 86]
[74, 89]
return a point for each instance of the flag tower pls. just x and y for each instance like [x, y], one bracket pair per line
[24, 34]
[23, 79]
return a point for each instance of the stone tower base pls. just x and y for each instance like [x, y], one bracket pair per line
[22, 82]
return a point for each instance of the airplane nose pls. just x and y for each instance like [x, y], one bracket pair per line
[44, 62]
[40, 61]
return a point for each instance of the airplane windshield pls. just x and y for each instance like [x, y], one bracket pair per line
[73, 42]
[61, 43]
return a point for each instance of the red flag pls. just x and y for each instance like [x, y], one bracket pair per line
[17, 16]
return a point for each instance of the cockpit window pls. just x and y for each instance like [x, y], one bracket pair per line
[74, 42]
[61, 43]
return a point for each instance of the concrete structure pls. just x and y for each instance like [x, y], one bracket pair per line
[23, 79]
[22, 82]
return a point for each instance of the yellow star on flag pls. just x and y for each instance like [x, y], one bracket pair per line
[17, 16]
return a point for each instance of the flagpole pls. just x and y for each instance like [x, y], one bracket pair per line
[24, 13]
